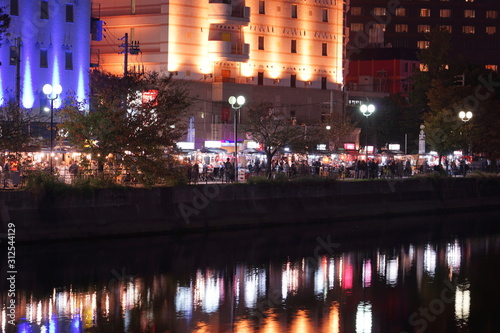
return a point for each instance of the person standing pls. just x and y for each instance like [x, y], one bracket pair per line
[228, 168]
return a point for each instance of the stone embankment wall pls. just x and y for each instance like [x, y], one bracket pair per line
[108, 213]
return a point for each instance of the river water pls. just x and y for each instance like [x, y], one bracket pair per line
[419, 274]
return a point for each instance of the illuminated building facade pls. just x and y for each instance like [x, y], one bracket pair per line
[473, 25]
[48, 42]
[286, 52]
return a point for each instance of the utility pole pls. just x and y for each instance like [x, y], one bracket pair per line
[125, 51]
[132, 48]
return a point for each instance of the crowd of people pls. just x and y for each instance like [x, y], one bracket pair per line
[359, 168]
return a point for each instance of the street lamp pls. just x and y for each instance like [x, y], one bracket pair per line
[367, 111]
[50, 91]
[465, 117]
[236, 104]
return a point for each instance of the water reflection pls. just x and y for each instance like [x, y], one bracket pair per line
[351, 290]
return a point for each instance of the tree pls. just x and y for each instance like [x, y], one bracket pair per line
[135, 118]
[273, 129]
[4, 22]
[15, 129]
[437, 65]
[340, 128]
[443, 132]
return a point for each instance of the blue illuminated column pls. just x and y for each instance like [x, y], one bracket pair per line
[236, 104]
[52, 94]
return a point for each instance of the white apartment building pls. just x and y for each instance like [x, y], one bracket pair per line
[288, 52]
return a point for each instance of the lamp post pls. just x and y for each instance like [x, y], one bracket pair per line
[367, 111]
[465, 117]
[52, 93]
[236, 104]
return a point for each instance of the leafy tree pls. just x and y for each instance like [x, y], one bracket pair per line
[443, 132]
[438, 66]
[15, 128]
[340, 128]
[135, 118]
[273, 129]
[4, 22]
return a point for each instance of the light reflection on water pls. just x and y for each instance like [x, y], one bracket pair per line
[363, 290]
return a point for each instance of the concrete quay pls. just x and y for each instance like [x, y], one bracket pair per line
[210, 207]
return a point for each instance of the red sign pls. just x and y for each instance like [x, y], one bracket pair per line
[150, 96]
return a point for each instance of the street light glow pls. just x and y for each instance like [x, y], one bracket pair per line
[48, 89]
[366, 110]
[465, 116]
[236, 104]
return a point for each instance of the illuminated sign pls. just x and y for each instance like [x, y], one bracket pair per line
[213, 144]
[185, 145]
[369, 149]
[349, 146]
[253, 144]
[394, 146]
[149, 96]
[321, 146]
[457, 152]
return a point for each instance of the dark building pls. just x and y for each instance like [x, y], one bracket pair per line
[473, 24]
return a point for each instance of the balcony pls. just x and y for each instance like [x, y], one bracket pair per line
[230, 51]
[221, 12]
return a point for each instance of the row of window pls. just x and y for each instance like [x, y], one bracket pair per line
[44, 59]
[424, 28]
[294, 11]
[293, 80]
[44, 10]
[293, 46]
[424, 12]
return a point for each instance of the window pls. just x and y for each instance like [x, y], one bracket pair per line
[324, 49]
[424, 28]
[293, 46]
[425, 12]
[262, 7]
[293, 80]
[44, 10]
[492, 67]
[356, 26]
[356, 10]
[379, 26]
[14, 7]
[68, 64]
[323, 82]
[294, 11]
[444, 13]
[469, 13]
[468, 29]
[492, 14]
[401, 28]
[423, 44]
[261, 42]
[400, 11]
[44, 62]
[70, 17]
[491, 30]
[325, 15]
[446, 28]
[379, 11]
